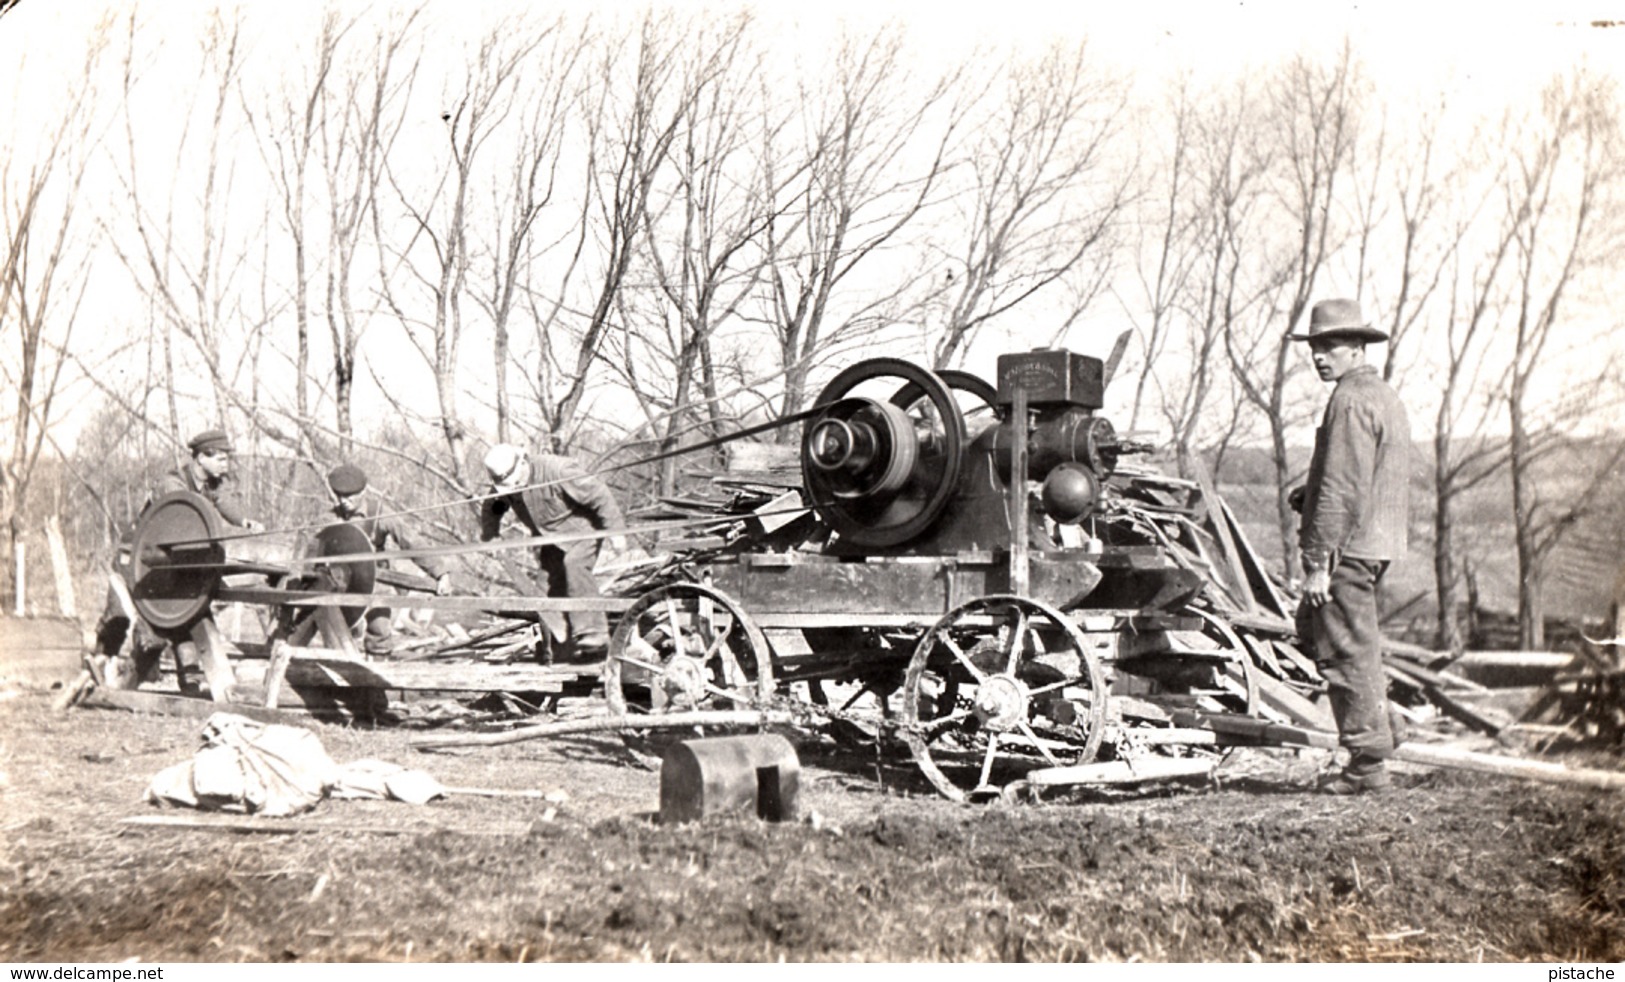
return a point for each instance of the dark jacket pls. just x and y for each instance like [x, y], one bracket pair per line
[221, 491]
[379, 531]
[567, 499]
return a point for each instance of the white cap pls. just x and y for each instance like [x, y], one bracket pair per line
[506, 465]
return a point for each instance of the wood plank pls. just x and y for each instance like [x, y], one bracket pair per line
[607, 724]
[213, 657]
[305, 598]
[319, 668]
[1534, 770]
[1247, 730]
[1300, 709]
[1122, 771]
[1243, 590]
[185, 707]
[60, 568]
[1433, 755]
[1277, 601]
[1486, 721]
[240, 824]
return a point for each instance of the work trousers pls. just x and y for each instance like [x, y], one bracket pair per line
[379, 638]
[1346, 638]
[568, 572]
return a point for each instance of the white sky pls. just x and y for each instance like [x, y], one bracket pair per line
[1481, 55]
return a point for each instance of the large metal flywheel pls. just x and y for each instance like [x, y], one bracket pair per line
[881, 466]
[176, 560]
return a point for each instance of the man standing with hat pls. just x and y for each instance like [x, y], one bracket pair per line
[1355, 509]
[348, 482]
[550, 494]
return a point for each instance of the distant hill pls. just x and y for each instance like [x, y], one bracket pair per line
[1580, 572]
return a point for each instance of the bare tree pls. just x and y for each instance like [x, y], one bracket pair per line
[702, 244]
[1042, 203]
[1558, 203]
[191, 256]
[1315, 121]
[293, 119]
[1209, 224]
[632, 112]
[1464, 454]
[437, 258]
[873, 157]
[44, 276]
[356, 140]
[518, 204]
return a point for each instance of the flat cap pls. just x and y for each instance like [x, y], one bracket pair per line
[347, 479]
[210, 441]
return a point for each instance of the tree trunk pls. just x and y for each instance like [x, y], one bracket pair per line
[1531, 633]
[1447, 579]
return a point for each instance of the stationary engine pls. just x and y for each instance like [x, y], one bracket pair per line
[923, 462]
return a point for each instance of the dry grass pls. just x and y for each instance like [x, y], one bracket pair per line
[1448, 868]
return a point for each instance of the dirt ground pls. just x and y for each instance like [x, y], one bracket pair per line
[1450, 866]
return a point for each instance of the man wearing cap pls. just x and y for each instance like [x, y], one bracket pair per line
[348, 483]
[550, 494]
[1355, 509]
[208, 473]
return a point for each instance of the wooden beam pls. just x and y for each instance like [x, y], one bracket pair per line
[213, 655]
[1534, 770]
[283, 826]
[322, 668]
[187, 707]
[1122, 771]
[606, 724]
[1227, 542]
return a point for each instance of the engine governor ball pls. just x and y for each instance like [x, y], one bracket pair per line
[1070, 493]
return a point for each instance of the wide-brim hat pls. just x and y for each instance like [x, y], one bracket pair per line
[506, 464]
[347, 479]
[1339, 319]
[209, 441]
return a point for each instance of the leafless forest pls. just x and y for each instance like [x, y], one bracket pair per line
[401, 235]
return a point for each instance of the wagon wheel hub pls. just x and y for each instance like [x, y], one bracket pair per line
[1001, 703]
[683, 681]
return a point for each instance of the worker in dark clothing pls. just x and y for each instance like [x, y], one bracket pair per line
[550, 494]
[208, 473]
[1355, 510]
[348, 483]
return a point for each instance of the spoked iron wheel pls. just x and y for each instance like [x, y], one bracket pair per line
[1238, 678]
[999, 687]
[685, 648]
